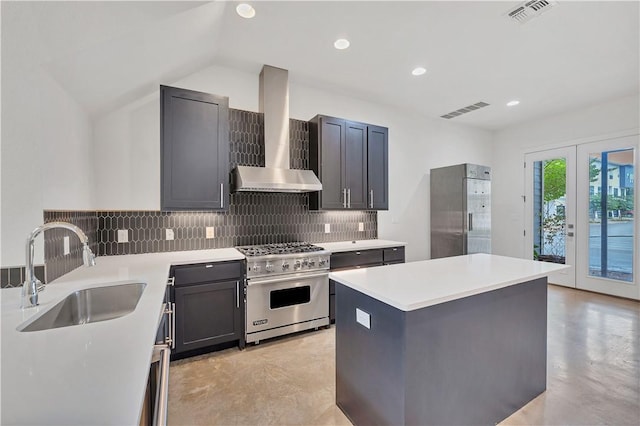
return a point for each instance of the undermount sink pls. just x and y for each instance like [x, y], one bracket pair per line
[90, 305]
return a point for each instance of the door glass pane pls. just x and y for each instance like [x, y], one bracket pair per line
[611, 214]
[549, 203]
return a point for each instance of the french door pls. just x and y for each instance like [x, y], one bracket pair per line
[608, 250]
[550, 210]
[580, 208]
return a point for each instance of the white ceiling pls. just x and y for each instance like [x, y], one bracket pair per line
[106, 54]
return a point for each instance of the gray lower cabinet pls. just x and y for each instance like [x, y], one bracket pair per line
[194, 140]
[360, 259]
[392, 255]
[209, 305]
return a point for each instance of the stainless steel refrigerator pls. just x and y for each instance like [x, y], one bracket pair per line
[460, 210]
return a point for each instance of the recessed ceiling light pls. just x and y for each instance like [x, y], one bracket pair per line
[245, 10]
[513, 103]
[419, 71]
[341, 43]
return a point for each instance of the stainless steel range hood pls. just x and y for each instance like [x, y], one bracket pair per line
[276, 176]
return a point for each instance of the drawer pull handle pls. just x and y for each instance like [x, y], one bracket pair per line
[395, 249]
[208, 266]
[358, 253]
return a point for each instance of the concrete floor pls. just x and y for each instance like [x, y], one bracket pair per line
[593, 374]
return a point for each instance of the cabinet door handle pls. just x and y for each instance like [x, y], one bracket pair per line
[171, 281]
[371, 204]
[358, 253]
[349, 198]
[221, 195]
[169, 312]
[173, 326]
[344, 197]
[237, 294]
[395, 249]
[470, 221]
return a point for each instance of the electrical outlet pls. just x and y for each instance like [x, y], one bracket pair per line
[210, 232]
[123, 235]
[363, 318]
[168, 234]
[327, 228]
[360, 226]
[65, 244]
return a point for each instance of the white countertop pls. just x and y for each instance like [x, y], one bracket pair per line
[91, 373]
[415, 285]
[359, 245]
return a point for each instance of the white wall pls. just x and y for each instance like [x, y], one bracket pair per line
[130, 138]
[510, 145]
[46, 144]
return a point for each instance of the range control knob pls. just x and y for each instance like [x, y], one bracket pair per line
[255, 267]
[322, 262]
[285, 266]
[312, 263]
[269, 267]
[297, 265]
[305, 262]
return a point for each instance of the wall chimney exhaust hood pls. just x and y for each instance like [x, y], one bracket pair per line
[276, 176]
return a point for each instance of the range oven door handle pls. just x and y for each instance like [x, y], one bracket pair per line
[297, 277]
[162, 389]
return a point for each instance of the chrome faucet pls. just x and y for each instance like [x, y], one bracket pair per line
[32, 285]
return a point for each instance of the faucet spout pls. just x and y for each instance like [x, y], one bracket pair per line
[32, 285]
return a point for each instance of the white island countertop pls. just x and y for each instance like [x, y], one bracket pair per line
[92, 373]
[341, 246]
[415, 285]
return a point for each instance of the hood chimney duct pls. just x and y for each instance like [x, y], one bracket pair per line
[276, 176]
[274, 104]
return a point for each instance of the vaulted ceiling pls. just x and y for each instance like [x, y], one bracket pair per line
[106, 54]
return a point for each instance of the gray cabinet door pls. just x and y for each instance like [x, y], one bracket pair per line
[378, 168]
[332, 141]
[355, 154]
[208, 314]
[194, 141]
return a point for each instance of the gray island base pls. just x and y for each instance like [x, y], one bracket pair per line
[473, 360]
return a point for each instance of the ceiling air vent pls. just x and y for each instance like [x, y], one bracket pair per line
[529, 10]
[465, 110]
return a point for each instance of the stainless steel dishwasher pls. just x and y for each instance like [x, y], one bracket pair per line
[154, 410]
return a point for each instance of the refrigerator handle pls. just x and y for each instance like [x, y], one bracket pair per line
[470, 221]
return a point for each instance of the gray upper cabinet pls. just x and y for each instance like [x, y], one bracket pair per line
[327, 139]
[378, 168]
[194, 138]
[350, 159]
[356, 165]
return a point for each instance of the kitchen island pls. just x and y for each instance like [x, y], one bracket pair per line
[459, 340]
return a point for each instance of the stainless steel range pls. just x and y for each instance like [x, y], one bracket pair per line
[287, 289]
